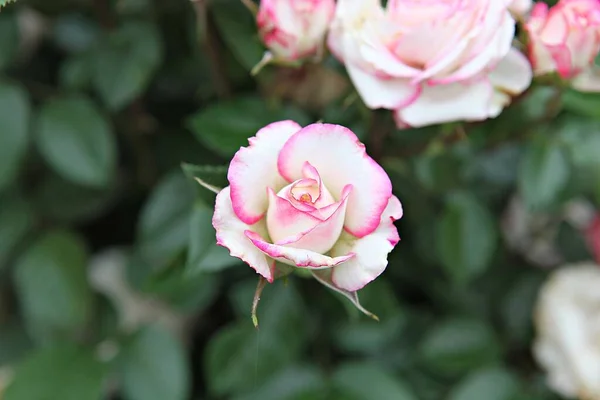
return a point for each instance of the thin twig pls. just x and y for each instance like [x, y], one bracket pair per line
[210, 44]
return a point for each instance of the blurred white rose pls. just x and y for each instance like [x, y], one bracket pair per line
[568, 331]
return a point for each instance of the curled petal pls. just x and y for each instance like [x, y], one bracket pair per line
[254, 169]
[325, 234]
[371, 251]
[297, 257]
[513, 73]
[341, 160]
[230, 234]
[285, 220]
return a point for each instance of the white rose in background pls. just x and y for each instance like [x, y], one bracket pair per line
[519, 8]
[431, 62]
[568, 331]
[566, 39]
[294, 29]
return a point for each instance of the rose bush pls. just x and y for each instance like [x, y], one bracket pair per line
[311, 198]
[430, 62]
[294, 29]
[566, 39]
[568, 328]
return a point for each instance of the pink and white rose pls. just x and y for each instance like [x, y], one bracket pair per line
[294, 29]
[309, 198]
[433, 61]
[566, 39]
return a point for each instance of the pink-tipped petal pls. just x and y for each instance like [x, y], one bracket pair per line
[371, 251]
[341, 160]
[254, 169]
[296, 257]
[230, 234]
[285, 220]
[325, 234]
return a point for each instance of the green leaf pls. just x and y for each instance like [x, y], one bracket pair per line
[66, 373]
[225, 126]
[76, 140]
[14, 114]
[543, 173]
[154, 367]
[6, 2]
[164, 225]
[16, 220]
[52, 286]
[63, 201]
[488, 384]
[238, 29]
[204, 255]
[9, 36]
[126, 62]
[289, 384]
[459, 345]
[369, 381]
[587, 104]
[210, 174]
[466, 237]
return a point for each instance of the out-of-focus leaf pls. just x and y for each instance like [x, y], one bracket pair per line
[153, 366]
[66, 373]
[517, 306]
[543, 173]
[212, 175]
[16, 219]
[64, 201]
[14, 114]
[126, 62]
[75, 73]
[52, 286]
[14, 342]
[76, 140]
[164, 225]
[9, 36]
[459, 345]
[73, 33]
[488, 384]
[370, 381]
[587, 104]
[238, 29]
[582, 139]
[225, 126]
[466, 237]
[289, 384]
[240, 358]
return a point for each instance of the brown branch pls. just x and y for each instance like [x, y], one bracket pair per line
[210, 44]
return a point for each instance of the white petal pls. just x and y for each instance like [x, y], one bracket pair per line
[230, 234]
[370, 252]
[512, 74]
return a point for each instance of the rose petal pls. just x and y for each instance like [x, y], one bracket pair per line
[588, 80]
[292, 256]
[254, 169]
[325, 234]
[447, 103]
[370, 251]
[382, 93]
[285, 220]
[230, 234]
[512, 74]
[341, 160]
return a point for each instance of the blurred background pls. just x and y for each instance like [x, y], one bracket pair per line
[112, 286]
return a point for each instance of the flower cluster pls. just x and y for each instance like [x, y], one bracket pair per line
[439, 61]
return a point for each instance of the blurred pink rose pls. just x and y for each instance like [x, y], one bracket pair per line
[566, 39]
[431, 62]
[311, 198]
[294, 29]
